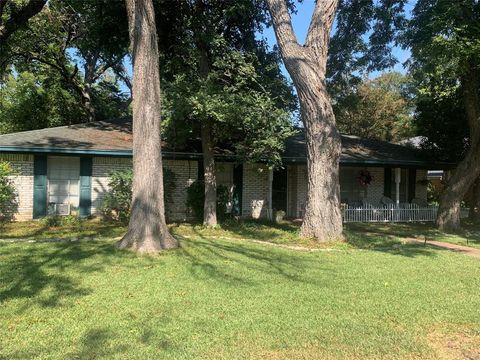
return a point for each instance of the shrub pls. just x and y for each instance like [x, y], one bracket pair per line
[117, 202]
[58, 220]
[8, 194]
[196, 198]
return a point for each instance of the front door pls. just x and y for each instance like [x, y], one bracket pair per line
[279, 190]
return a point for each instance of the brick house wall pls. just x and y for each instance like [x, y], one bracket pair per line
[23, 182]
[255, 191]
[421, 186]
[298, 173]
[255, 195]
[185, 174]
[102, 167]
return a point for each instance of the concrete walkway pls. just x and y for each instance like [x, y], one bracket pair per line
[469, 251]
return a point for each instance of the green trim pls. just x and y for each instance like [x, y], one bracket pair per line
[85, 201]
[230, 158]
[412, 182]
[39, 186]
[45, 150]
[237, 189]
[387, 182]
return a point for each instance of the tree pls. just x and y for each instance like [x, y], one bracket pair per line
[307, 66]
[33, 101]
[445, 40]
[147, 229]
[69, 35]
[13, 16]
[231, 92]
[379, 108]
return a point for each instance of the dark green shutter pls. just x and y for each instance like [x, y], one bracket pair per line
[200, 170]
[412, 181]
[387, 182]
[39, 186]
[85, 186]
[237, 189]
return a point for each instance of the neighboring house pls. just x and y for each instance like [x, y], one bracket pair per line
[67, 168]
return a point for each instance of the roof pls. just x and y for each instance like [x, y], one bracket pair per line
[114, 138]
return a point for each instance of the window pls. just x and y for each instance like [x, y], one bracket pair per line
[351, 192]
[63, 184]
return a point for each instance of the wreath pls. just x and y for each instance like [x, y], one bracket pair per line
[365, 178]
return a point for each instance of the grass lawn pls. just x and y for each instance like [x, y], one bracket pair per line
[358, 235]
[468, 236]
[226, 298]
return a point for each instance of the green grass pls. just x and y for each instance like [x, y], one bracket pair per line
[369, 236]
[37, 230]
[468, 236]
[235, 299]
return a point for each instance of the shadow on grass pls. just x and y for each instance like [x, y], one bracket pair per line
[39, 231]
[468, 233]
[231, 262]
[48, 274]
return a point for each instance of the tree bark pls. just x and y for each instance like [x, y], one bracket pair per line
[147, 229]
[86, 91]
[307, 66]
[474, 213]
[210, 178]
[468, 170]
[209, 172]
[19, 18]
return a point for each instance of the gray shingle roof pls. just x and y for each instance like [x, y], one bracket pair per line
[115, 138]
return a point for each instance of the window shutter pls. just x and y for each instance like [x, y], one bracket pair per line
[237, 189]
[387, 182]
[412, 181]
[39, 186]
[85, 202]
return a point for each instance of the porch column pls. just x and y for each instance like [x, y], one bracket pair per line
[398, 178]
[270, 190]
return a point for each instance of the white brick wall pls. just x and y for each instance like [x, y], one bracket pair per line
[374, 191]
[255, 191]
[102, 167]
[255, 182]
[23, 182]
[185, 174]
[421, 189]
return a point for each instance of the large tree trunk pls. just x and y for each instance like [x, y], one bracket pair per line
[147, 229]
[448, 217]
[474, 213]
[307, 66]
[209, 173]
[210, 179]
[323, 219]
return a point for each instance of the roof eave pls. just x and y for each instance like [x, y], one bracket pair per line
[187, 156]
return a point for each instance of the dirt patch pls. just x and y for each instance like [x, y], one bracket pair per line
[459, 343]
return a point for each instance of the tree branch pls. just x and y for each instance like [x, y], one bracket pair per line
[20, 18]
[321, 24]
[283, 26]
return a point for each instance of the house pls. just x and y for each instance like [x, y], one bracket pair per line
[64, 168]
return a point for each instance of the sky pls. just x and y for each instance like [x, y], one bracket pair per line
[301, 21]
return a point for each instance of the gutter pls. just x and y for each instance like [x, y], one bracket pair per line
[230, 158]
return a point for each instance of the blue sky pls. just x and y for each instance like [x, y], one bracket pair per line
[301, 21]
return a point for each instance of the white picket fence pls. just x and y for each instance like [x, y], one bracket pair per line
[392, 213]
